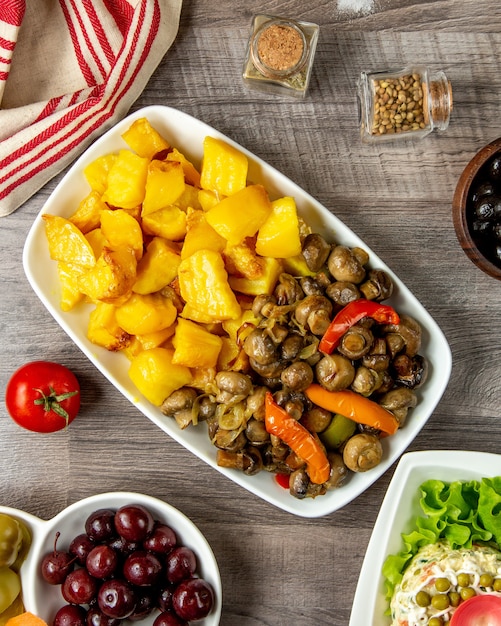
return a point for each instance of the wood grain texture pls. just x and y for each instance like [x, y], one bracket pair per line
[278, 570]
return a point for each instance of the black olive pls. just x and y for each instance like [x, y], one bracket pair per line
[495, 168]
[497, 207]
[481, 227]
[484, 209]
[484, 188]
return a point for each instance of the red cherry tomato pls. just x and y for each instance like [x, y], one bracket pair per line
[484, 610]
[43, 397]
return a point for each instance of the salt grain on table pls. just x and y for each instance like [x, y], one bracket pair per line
[355, 6]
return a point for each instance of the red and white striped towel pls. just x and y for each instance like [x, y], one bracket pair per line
[69, 69]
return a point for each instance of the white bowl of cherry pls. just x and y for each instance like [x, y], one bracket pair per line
[119, 557]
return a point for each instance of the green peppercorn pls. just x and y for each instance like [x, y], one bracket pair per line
[466, 593]
[423, 598]
[442, 584]
[440, 601]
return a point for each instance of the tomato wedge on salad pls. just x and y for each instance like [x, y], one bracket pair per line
[43, 397]
[484, 610]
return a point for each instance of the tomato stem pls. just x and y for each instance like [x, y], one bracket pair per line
[51, 402]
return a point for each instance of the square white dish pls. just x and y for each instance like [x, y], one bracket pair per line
[187, 134]
[397, 515]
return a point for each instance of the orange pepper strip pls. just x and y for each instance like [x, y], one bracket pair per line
[355, 407]
[279, 423]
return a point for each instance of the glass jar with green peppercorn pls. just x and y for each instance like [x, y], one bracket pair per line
[403, 104]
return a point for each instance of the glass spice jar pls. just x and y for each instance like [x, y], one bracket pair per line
[279, 56]
[403, 104]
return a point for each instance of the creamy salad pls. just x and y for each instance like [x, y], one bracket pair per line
[439, 578]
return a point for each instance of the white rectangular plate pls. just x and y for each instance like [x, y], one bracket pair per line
[187, 134]
[397, 515]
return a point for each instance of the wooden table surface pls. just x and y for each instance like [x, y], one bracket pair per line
[278, 569]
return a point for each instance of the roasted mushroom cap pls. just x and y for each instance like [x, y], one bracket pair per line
[260, 302]
[346, 264]
[314, 313]
[259, 346]
[310, 286]
[378, 286]
[410, 371]
[298, 376]
[315, 251]
[298, 483]
[356, 342]
[288, 290]
[291, 346]
[178, 400]
[268, 370]
[366, 381]
[335, 372]
[338, 472]
[343, 292]
[407, 333]
[301, 487]
[247, 460]
[362, 452]
[256, 433]
[316, 419]
[377, 358]
[399, 401]
[234, 383]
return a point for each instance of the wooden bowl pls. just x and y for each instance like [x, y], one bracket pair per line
[461, 209]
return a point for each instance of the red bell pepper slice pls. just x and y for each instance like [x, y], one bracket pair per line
[352, 313]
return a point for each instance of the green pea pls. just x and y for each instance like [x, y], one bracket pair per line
[423, 598]
[440, 602]
[454, 598]
[486, 580]
[466, 593]
[442, 584]
[435, 621]
[463, 580]
[496, 585]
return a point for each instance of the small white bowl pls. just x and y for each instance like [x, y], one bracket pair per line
[188, 134]
[397, 515]
[44, 600]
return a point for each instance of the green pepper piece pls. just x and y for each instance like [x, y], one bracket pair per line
[338, 431]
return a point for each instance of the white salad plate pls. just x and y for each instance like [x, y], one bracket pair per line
[187, 134]
[44, 600]
[397, 515]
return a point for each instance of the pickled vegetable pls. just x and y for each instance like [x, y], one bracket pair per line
[10, 587]
[11, 539]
